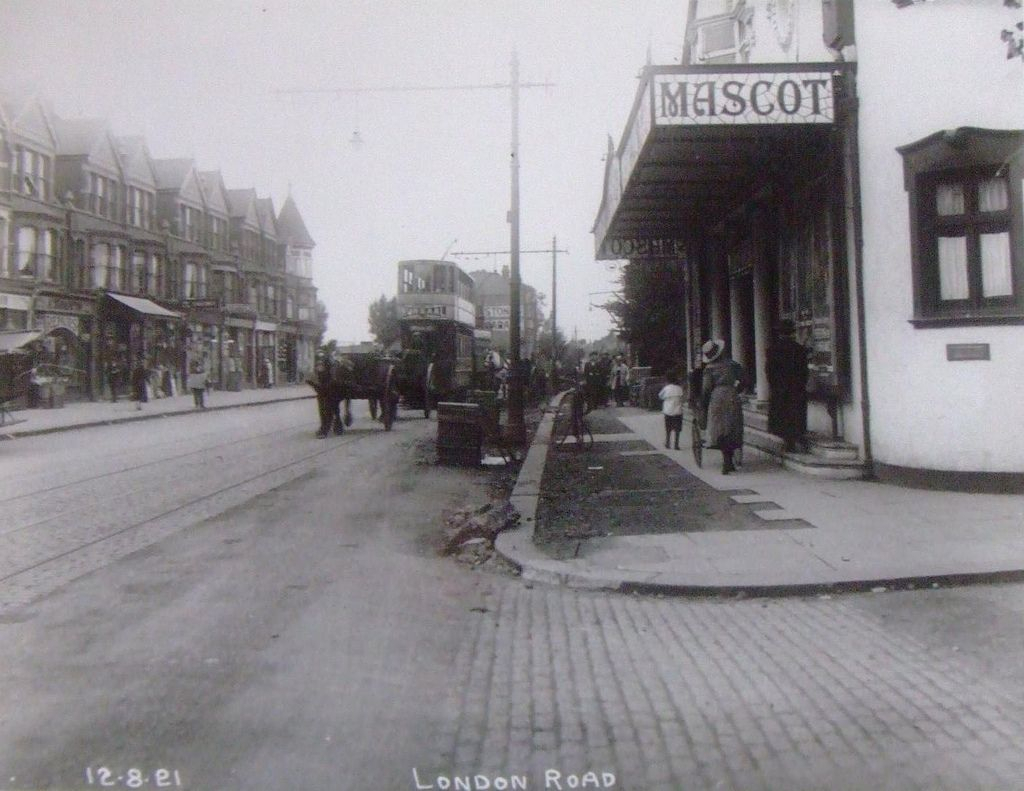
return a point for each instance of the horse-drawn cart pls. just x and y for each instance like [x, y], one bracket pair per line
[361, 375]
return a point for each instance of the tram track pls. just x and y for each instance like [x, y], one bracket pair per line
[38, 561]
[144, 465]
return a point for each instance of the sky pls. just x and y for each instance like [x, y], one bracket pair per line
[232, 84]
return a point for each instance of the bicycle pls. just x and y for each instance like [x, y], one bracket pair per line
[575, 423]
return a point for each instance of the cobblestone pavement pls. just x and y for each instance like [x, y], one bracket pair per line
[693, 694]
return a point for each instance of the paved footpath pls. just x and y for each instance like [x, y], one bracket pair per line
[852, 534]
[32, 422]
[670, 694]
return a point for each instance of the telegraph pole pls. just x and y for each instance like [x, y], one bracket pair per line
[516, 426]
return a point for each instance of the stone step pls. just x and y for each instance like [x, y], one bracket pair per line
[755, 418]
[822, 466]
[828, 448]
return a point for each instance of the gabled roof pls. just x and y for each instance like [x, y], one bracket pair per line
[171, 173]
[179, 175]
[212, 183]
[265, 212]
[136, 160]
[290, 228]
[89, 139]
[242, 204]
[79, 136]
[28, 117]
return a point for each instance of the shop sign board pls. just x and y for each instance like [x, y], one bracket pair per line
[643, 249]
[425, 311]
[14, 302]
[63, 304]
[734, 98]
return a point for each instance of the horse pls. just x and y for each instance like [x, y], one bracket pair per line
[357, 376]
[327, 380]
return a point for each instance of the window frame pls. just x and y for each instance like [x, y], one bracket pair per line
[968, 155]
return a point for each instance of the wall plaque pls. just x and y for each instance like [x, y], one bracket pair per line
[967, 351]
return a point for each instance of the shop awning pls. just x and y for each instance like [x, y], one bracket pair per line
[141, 305]
[12, 341]
[700, 141]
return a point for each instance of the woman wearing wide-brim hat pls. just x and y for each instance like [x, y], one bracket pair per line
[720, 391]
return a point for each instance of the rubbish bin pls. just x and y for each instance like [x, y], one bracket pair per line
[459, 437]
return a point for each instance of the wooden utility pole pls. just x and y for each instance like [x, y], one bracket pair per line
[516, 428]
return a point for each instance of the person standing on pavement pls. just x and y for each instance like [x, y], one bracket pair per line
[140, 380]
[671, 396]
[720, 392]
[592, 381]
[619, 381]
[197, 383]
[114, 378]
[787, 379]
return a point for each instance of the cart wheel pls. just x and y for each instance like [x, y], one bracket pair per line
[697, 441]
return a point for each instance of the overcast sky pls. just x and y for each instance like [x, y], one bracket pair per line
[198, 78]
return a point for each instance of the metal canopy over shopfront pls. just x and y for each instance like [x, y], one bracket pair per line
[144, 306]
[700, 141]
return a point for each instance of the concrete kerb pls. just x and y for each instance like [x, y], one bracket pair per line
[144, 416]
[517, 547]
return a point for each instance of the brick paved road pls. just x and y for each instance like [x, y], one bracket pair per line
[683, 694]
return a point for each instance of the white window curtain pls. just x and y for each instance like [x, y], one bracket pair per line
[48, 254]
[139, 272]
[27, 251]
[100, 262]
[949, 199]
[996, 270]
[117, 267]
[953, 267]
[993, 195]
[190, 280]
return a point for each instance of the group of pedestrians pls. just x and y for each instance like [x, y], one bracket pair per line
[716, 386]
[605, 378]
[142, 381]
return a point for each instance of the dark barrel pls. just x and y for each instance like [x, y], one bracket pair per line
[459, 436]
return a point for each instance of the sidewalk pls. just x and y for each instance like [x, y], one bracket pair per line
[31, 422]
[650, 519]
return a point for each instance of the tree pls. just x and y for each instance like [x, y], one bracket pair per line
[384, 325]
[650, 314]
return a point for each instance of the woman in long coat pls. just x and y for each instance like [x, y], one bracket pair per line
[720, 389]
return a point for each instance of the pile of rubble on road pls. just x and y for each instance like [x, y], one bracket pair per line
[469, 532]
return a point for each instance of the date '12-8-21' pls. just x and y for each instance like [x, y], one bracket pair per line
[132, 778]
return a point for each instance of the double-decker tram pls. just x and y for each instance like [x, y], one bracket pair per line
[437, 316]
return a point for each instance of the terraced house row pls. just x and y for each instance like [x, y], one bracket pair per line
[110, 259]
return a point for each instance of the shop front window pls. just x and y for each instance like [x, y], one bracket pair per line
[964, 188]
